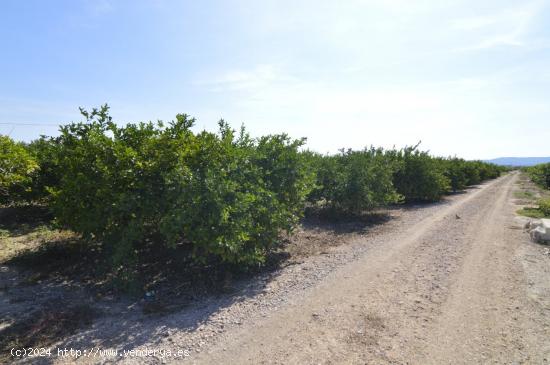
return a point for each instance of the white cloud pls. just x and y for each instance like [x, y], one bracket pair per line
[260, 76]
[506, 28]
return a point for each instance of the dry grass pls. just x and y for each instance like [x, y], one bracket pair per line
[27, 228]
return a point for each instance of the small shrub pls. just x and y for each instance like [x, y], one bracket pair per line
[544, 206]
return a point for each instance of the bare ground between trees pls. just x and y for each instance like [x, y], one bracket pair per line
[454, 282]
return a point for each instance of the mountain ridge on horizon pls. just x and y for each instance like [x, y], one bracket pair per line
[519, 161]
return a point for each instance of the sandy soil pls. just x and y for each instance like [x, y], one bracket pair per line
[453, 282]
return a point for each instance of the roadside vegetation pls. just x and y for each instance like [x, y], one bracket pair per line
[226, 197]
[538, 199]
[540, 174]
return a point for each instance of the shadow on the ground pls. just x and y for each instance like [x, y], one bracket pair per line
[42, 327]
[70, 286]
[459, 192]
[341, 222]
[21, 220]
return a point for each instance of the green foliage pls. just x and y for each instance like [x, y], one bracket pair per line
[472, 173]
[222, 194]
[354, 181]
[16, 165]
[529, 195]
[541, 211]
[484, 171]
[455, 171]
[531, 212]
[47, 176]
[462, 173]
[419, 177]
[488, 170]
[544, 206]
[358, 181]
[540, 174]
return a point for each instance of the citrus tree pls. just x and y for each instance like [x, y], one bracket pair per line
[223, 194]
[16, 165]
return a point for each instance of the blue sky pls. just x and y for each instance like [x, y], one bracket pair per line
[469, 78]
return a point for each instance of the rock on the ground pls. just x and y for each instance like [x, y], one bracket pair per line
[540, 231]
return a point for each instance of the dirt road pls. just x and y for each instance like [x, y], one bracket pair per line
[463, 285]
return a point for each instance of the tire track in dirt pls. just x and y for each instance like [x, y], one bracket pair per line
[396, 304]
[487, 316]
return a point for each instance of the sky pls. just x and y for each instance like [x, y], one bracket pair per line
[467, 78]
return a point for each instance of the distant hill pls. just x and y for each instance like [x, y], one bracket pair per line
[519, 161]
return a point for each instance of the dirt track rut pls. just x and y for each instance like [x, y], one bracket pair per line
[454, 288]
